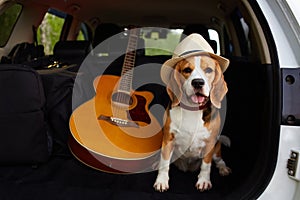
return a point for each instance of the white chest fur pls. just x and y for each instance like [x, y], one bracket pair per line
[189, 132]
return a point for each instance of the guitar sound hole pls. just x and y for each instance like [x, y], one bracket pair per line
[121, 97]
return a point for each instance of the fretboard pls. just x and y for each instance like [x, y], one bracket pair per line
[129, 62]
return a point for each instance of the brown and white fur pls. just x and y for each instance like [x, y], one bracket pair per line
[191, 131]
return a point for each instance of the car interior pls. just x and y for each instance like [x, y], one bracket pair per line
[43, 84]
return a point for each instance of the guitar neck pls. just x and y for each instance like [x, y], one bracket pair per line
[129, 62]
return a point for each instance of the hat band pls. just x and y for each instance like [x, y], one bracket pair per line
[188, 52]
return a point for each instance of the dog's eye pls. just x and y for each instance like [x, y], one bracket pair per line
[187, 70]
[208, 70]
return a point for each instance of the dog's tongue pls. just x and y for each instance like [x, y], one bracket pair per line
[198, 99]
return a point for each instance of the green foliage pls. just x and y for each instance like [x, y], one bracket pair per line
[49, 32]
[80, 36]
[7, 21]
[162, 46]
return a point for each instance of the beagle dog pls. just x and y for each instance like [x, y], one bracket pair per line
[196, 87]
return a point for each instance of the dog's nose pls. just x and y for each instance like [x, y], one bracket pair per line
[198, 83]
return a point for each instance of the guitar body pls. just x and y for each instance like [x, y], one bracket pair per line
[114, 131]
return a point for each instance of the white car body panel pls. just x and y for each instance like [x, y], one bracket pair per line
[285, 30]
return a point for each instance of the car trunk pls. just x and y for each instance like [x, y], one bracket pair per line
[252, 119]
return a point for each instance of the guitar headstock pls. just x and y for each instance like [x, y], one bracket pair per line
[133, 30]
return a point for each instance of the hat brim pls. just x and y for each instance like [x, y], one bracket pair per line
[169, 65]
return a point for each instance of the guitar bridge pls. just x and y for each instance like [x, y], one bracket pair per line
[118, 122]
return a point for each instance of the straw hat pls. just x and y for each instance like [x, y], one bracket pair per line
[192, 45]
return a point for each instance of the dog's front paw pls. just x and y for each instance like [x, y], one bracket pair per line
[203, 184]
[162, 183]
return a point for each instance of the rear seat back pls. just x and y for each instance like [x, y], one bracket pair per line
[58, 86]
[24, 136]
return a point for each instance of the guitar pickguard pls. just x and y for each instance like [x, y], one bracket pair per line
[138, 113]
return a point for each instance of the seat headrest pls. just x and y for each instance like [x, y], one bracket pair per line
[202, 30]
[75, 49]
[104, 31]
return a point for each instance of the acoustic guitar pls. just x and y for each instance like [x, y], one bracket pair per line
[115, 131]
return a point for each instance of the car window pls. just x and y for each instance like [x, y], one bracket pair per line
[80, 35]
[48, 32]
[8, 20]
[163, 41]
[160, 41]
[213, 35]
[242, 31]
[83, 32]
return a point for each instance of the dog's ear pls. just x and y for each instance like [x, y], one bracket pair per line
[219, 88]
[174, 86]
